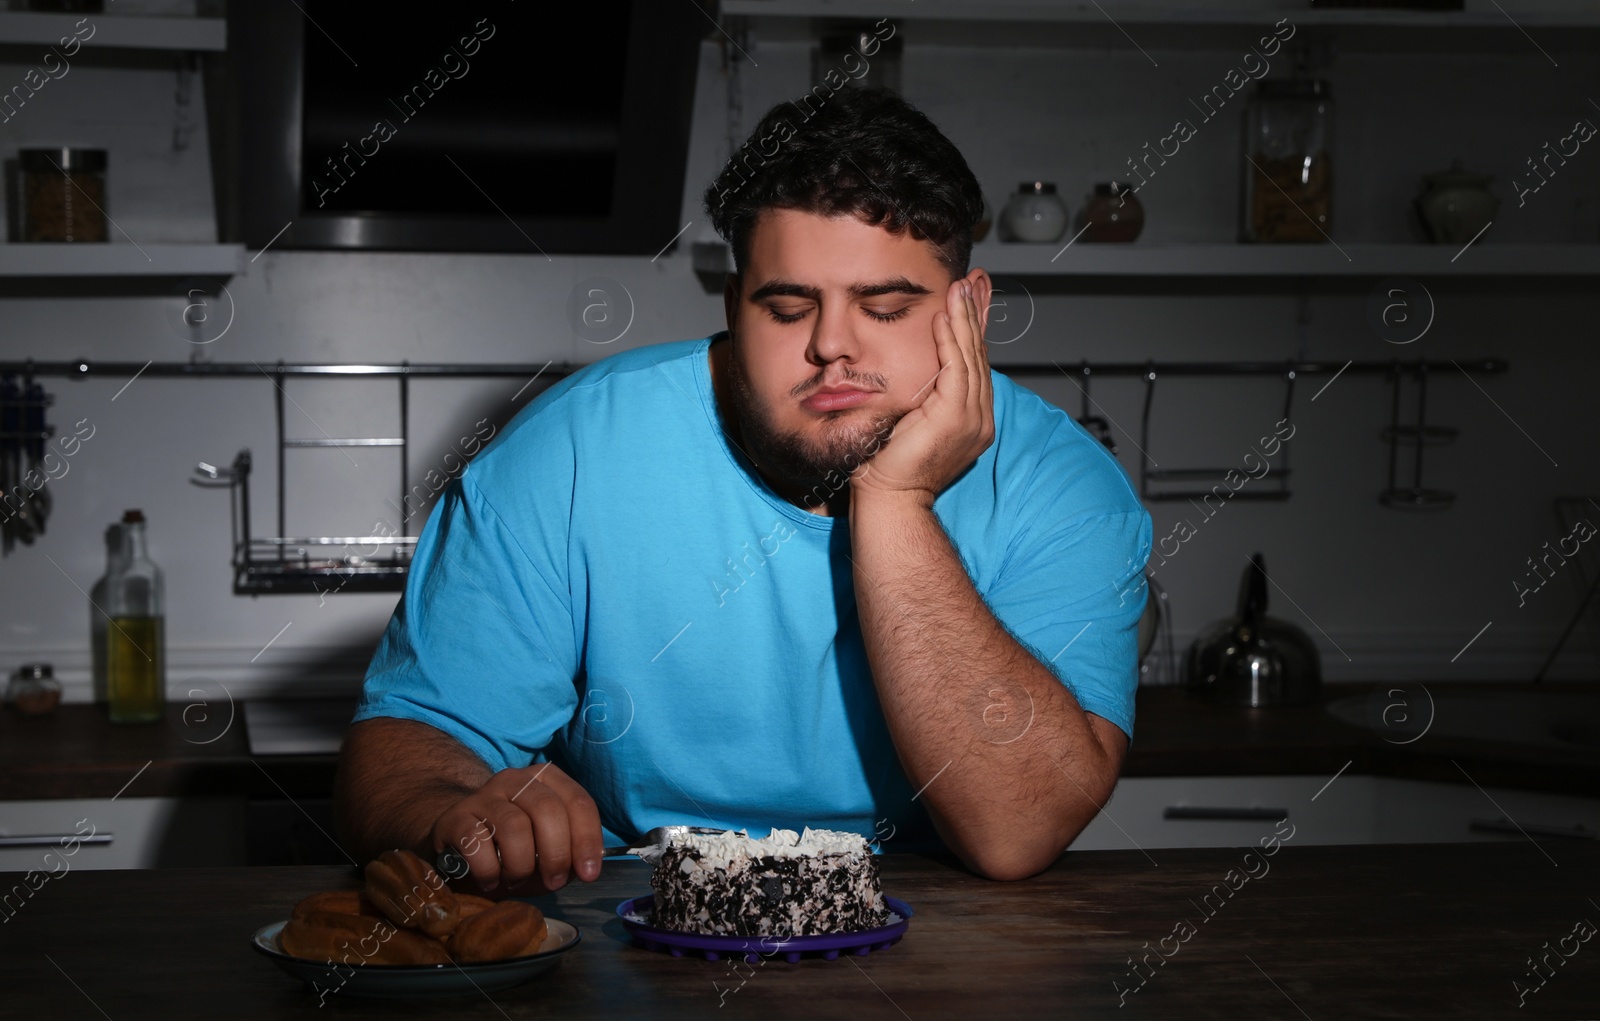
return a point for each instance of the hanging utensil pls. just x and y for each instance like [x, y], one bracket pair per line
[1097, 425]
[11, 501]
[1420, 436]
[34, 401]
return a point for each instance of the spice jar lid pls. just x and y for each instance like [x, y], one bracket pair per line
[36, 672]
[132, 517]
[62, 160]
[1111, 187]
[1036, 188]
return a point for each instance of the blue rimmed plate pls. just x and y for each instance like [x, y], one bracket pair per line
[635, 915]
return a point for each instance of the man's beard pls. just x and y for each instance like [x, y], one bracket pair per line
[797, 461]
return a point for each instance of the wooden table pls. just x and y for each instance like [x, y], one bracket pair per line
[1382, 931]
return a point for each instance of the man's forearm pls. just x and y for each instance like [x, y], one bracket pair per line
[395, 778]
[1012, 766]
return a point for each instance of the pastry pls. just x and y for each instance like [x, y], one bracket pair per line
[339, 902]
[511, 928]
[410, 893]
[788, 884]
[406, 915]
[357, 939]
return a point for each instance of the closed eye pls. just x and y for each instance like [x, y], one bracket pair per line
[780, 317]
[794, 317]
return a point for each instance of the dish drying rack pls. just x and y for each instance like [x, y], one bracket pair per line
[280, 563]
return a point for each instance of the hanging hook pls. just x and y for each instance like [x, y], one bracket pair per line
[1144, 430]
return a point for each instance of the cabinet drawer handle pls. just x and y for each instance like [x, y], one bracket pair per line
[50, 840]
[1504, 825]
[1225, 814]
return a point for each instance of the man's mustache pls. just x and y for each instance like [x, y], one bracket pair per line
[867, 380]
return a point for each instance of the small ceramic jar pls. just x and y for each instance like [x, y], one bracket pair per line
[1112, 213]
[1456, 205]
[1034, 214]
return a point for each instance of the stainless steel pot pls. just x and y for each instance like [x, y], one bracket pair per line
[1252, 659]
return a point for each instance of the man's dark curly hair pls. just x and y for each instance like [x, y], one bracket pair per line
[861, 151]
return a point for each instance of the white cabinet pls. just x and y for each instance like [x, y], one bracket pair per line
[1234, 811]
[1230, 811]
[144, 832]
[1414, 811]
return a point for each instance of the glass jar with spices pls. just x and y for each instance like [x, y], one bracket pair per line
[34, 689]
[1112, 214]
[1288, 180]
[63, 194]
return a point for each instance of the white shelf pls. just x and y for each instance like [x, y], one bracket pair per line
[119, 260]
[1241, 14]
[1566, 27]
[1085, 259]
[119, 31]
[1238, 260]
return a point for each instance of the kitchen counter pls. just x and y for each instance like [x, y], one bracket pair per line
[1180, 734]
[77, 753]
[1381, 931]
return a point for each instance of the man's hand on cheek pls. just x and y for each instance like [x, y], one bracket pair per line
[943, 435]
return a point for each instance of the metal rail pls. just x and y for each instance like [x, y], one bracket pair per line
[84, 368]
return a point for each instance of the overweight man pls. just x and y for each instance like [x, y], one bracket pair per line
[823, 569]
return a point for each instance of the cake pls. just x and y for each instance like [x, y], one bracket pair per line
[787, 884]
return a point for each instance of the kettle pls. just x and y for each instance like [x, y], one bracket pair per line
[1254, 660]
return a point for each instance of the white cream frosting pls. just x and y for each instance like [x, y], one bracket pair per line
[721, 849]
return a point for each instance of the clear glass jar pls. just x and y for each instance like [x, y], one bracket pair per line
[136, 676]
[1288, 178]
[63, 195]
[34, 690]
[1112, 214]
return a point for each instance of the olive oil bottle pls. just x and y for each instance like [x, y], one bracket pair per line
[99, 622]
[136, 675]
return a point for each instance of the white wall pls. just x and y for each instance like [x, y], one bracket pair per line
[1399, 593]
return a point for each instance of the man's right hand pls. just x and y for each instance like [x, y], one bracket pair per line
[524, 832]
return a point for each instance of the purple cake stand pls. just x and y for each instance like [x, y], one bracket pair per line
[634, 914]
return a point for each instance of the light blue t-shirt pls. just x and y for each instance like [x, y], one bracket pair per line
[610, 586]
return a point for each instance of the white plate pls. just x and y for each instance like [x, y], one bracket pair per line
[397, 981]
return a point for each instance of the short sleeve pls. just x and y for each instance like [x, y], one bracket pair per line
[1072, 593]
[482, 644]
